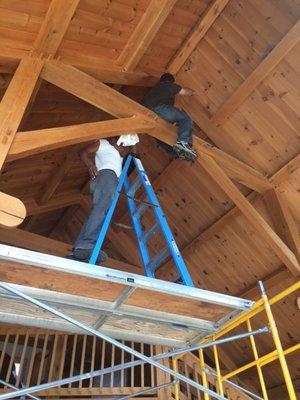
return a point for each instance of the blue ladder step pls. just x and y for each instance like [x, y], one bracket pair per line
[141, 210]
[149, 233]
[157, 261]
[135, 186]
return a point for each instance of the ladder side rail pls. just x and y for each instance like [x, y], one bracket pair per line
[138, 230]
[109, 214]
[171, 243]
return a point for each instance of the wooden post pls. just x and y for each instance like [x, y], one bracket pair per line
[163, 377]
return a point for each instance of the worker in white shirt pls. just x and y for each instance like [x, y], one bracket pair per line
[105, 169]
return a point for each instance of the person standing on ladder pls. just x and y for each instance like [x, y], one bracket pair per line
[160, 99]
[104, 169]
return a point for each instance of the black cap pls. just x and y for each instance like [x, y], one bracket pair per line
[167, 78]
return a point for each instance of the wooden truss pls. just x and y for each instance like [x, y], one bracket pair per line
[80, 78]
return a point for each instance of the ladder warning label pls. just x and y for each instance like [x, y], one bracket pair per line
[146, 179]
[139, 164]
[175, 247]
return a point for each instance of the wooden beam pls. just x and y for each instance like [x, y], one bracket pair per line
[163, 377]
[144, 33]
[196, 35]
[55, 203]
[51, 185]
[284, 223]
[34, 142]
[90, 90]
[13, 52]
[286, 171]
[12, 211]
[252, 216]
[102, 96]
[257, 76]
[117, 77]
[104, 70]
[236, 169]
[31, 241]
[278, 178]
[28, 240]
[15, 101]
[54, 26]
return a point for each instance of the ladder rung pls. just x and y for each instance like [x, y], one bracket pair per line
[156, 262]
[141, 210]
[149, 233]
[135, 185]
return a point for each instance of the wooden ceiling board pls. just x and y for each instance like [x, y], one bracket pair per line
[231, 260]
[266, 113]
[291, 189]
[171, 35]
[30, 7]
[263, 131]
[276, 139]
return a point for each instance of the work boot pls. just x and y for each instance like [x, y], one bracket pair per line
[185, 151]
[85, 254]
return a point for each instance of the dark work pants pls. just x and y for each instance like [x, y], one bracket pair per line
[102, 188]
[180, 118]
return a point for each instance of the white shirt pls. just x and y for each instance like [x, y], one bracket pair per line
[107, 157]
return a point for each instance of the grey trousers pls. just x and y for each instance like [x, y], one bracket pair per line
[102, 188]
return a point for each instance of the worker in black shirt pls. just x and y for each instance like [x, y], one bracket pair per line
[160, 99]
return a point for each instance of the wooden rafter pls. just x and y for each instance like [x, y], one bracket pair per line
[34, 142]
[252, 216]
[116, 76]
[196, 35]
[284, 223]
[25, 83]
[15, 101]
[51, 185]
[55, 203]
[54, 26]
[104, 70]
[31, 241]
[108, 99]
[216, 227]
[90, 90]
[257, 76]
[144, 33]
[50, 36]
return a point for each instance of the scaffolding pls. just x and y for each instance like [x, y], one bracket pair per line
[261, 306]
[181, 314]
[244, 311]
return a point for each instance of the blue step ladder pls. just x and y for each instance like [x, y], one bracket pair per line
[142, 237]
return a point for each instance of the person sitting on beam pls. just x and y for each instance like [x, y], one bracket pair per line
[160, 99]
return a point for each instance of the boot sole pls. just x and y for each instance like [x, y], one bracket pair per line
[184, 154]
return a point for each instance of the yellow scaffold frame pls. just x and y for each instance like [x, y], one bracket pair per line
[264, 304]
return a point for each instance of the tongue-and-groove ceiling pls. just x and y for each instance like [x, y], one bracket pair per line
[242, 59]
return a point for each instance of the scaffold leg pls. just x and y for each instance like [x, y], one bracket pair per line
[218, 371]
[258, 366]
[278, 345]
